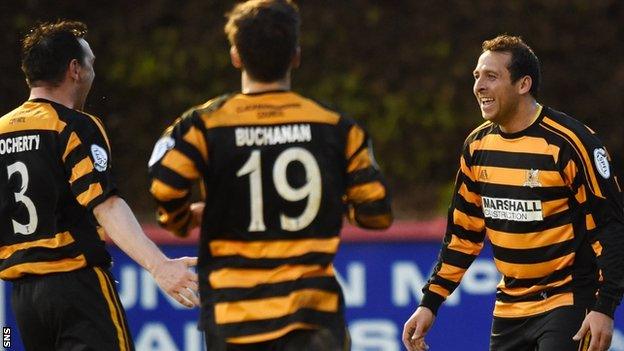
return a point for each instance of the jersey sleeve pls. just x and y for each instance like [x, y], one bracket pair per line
[176, 162]
[86, 157]
[590, 176]
[367, 193]
[463, 240]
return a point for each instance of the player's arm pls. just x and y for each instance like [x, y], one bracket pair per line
[367, 195]
[173, 167]
[86, 158]
[591, 178]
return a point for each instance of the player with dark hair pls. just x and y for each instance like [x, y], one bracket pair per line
[279, 173]
[58, 201]
[540, 185]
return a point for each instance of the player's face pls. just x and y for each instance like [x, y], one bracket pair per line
[87, 74]
[497, 96]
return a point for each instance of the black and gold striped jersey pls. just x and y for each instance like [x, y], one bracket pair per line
[551, 206]
[279, 172]
[54, 169]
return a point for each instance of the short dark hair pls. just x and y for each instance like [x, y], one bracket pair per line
[523, 62]
[266, 35]
[48, 48]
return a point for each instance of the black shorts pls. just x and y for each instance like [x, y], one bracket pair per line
[78, 310]
[550, 331]
[297, 340]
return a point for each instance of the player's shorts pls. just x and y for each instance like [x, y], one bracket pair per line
[296, 340]
[78, 310]
[550, 331]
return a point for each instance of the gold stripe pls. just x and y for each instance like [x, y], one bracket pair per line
[591, 174]
[119, 308]
[466, 170]
[360, 161]
[450, 272]
[59, 240]
[164, 192]
[581, 195]
[121, 337]
[381, 221]
[275, 307]
[366, 192]
[248, 278]
[570, 172]
[552, 207]
[589, 222]
[534, 270]
[196, 138]
[303, 111]
[523, 291]
[355, 139]
[72, 143]
[255, 338]
[95, 190]
[98, 123]
[531, 240]
[464, 245]
[85, 166]
[517, 177]
[524, 145]
[467, 222]
[63, 265]
[530, 308]
[469, 196]
[586, 340]
[37, 115]
[180, 164]
[439, 290]
[597, 248]
[273, 249]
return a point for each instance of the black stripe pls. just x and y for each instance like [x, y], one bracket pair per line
[191, 151]
[266, 263]
[362, 176]
[73, 157]
[556, 220]
[456, 258]
[475, 237]
[535, 255]
[41, 254]
[171, 178]
[466, 207]
[375, 208]
[445, 283]
[521, 193]
[329, 320]
[538, 296]
[263, 291]
[175, 204]
[514, 160]
[82, 184]
[527, 283]
[473, 187]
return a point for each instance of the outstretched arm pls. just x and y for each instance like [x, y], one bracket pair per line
[172, 275]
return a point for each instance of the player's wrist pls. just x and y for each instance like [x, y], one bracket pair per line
[432, 301]
[606, 306]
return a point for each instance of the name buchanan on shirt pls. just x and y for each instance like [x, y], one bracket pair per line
[512, 209]
[271, 135]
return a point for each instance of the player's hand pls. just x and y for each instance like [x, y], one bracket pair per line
[600, 327]
[197, 212]
[416, 328]
[174, 277]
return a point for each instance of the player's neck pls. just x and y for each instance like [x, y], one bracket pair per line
[522, 118]
[251, 86]
[58, 94]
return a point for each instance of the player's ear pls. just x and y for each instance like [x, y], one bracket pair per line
[296, 60]
[73, 70]
[235, 57]
[525, 85]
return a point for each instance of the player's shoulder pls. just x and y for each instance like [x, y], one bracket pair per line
[479, 132]
[569, 128]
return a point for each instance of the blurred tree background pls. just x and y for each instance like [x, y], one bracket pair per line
[402, 68]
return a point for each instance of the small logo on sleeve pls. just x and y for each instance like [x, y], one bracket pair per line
[163, 145]
[602, 162]
[100, 158]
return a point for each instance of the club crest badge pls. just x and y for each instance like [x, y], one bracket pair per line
[163, 145]
[532, 178]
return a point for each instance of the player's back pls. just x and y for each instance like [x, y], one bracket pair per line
[43, 227]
